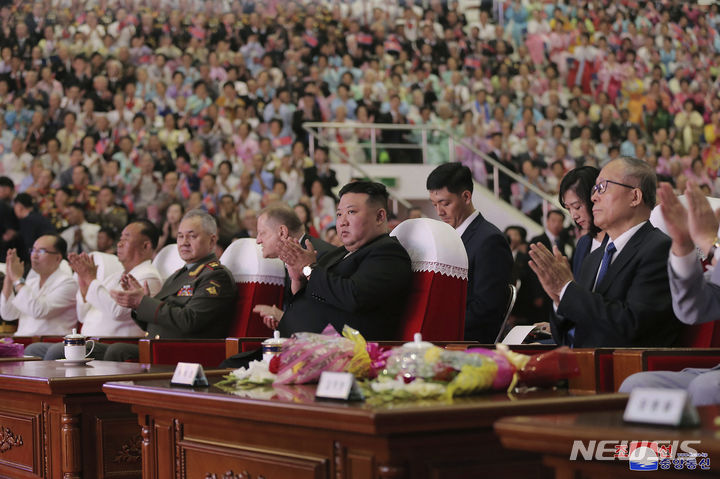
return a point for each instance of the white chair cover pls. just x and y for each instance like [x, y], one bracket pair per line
[433, 246]
[168, 260]
[107, 264]
[245, 260]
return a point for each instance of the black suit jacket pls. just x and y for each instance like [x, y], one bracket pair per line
[630, 307]
[490, 264]
[366, 290]
[321, 247]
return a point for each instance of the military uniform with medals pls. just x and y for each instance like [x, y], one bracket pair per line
[193, 303]
[198, 302]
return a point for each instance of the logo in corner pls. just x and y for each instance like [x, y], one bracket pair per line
[643, 456]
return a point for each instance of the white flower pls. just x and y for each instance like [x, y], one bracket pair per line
[257, 372]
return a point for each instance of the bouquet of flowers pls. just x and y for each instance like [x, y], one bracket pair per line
[420, 370]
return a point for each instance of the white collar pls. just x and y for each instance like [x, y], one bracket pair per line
[623, 239]
[464, 225]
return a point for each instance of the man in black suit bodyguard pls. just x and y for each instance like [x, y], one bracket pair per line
[490, 261]
[622, 295]
[364, 284]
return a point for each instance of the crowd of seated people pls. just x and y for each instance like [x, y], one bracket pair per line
[132, 109]
[202, 105]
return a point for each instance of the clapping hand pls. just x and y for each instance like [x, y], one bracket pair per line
[132, 292]
[14, 268]
[552, 269]
[702, 222]
[85, 267]
[676, 220]
[295, 257]
[271, 315]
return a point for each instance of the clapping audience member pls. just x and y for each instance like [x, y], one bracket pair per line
[607, 304]
[197, 301]
[44, 302]
[363, 284]
[695, 298]
[99, 314]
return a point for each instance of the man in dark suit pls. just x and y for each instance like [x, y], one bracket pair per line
[490, 261]
[197, 301]
[321, 171]
[364, 284]
[552, 236]
[622, 295]
[32, 224]
[274, 224]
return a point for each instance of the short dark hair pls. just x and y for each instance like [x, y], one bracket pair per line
[5, 181]
[24, 199]
[555, 212]
[377, 193]
[59, 244]
[456, 177]
[522, 231]
[284, 215]
[112, 234]
[77, 206]
[149, 230]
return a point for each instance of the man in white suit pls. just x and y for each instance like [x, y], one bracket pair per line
[695, 298]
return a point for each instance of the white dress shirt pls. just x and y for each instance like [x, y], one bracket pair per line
[464, 225]
[89, 237]
[102, 316]
[48, 310]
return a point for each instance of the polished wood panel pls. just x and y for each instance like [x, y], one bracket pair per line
[553, 436]
[205, 432]
[55, 422]
[635, 360]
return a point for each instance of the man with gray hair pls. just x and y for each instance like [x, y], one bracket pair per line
[622, 295]
[197, 301]
[275, 224]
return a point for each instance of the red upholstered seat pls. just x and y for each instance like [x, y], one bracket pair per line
[208, 352]
[259, 281]
[436, 306]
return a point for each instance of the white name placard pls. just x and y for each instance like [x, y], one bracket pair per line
[337, 386]
[669, 407]
[189, 374]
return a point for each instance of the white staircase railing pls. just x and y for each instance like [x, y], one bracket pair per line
[426, 136]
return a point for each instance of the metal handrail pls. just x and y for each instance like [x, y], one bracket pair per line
[322, 141]
[311, 127]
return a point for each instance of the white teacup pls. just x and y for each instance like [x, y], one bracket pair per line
[75, 346]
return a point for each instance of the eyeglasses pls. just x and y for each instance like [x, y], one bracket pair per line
[42, 251]
[601, 187]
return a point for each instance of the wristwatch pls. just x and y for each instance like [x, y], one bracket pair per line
[307, 270]
[713, 248]
[17, 283]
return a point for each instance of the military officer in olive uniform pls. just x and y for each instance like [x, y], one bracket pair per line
[197, 301]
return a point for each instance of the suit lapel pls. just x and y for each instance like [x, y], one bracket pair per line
[472, 227]
[627, 253]
[590, 267]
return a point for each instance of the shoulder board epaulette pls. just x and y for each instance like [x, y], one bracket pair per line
[213, 265]
[196, 271]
